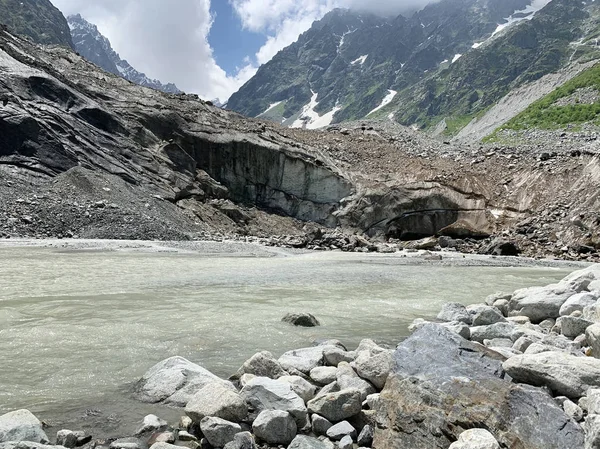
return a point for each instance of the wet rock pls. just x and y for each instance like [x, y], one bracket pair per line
[337, 406]
[219, 431]
[174, 381]
[301, 319]
[216, 400]
[340, 430]
[275, 427]
[262, 393]
[475, 439]
[21, 425]
[320, 425]
[563, 373]
[262, 364]
[435, 368]
[151, 423]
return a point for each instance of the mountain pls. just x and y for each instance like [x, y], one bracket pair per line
[38, 19]
[442, 66]
[95, 47]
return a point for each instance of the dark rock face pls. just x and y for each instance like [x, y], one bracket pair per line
[38, 19]
[442, 385]
[301, 319]
[96, 48]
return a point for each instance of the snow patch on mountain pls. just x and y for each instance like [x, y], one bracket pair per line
[524, 14]
[310, 119]
[387, 100]
[271, 106]
[456, 58]
[360, 60]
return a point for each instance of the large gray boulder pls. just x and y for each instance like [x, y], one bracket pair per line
[262, 393]
[487, 315]
[475, 439]
[275, 427]
[304, 359]
[374, 366]
[21, 425]
[577, 303]
[563, 373]
[301, 319]
[592, 334]
[491, 331]
[174, 381]
[435, 370]
[217, 400]
[338, 405]
[323, 375]
[347, 378]
[572, 326]
[262, 364]
[219, 431]
[242, 440]
[454, 311]
[300, 386]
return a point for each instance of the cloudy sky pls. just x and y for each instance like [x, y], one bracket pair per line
[210, 47]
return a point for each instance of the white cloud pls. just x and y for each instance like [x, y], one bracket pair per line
[165, 41]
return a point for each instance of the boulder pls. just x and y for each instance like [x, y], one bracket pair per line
[21, 425]
[454, 311]
[164, 437]
[475, 439]
[365, 439]
[126, 443]
[346, 443]
[262, 393]
[66, 438]
[320, 425]
[592, 432]
[151, 423]
[304, 359]
[592, 312]
[219, 431]
[435, 370]
[348, 378]
[498, 296]
[300, 386]
[242, 440]
[301, 319]
[218, 401]
[306, 442]
[499, 247]
[491, 331]
[572, 410]
[340, 430]
[374, 367]
[577, 303]
[323, 375]
[174, 381]
[337, 406]
[572, 326]
[333, 356]
[487, 315]
[539, 303]
[592, 334]
[563, 373]
[262, 364]
[275, 427]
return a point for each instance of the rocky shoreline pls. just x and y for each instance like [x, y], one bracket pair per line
[521, 370]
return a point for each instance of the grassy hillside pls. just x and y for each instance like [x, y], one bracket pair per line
[576, 102]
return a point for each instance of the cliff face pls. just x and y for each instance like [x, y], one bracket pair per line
[38, 19]
[84, 152]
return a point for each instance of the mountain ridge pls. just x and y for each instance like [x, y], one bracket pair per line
[96, 48]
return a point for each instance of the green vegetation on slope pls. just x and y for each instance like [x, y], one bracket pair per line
[546, 114]
[38, 19]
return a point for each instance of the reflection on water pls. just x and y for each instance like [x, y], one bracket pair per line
[77, 328]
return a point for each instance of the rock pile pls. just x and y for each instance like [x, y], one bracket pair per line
[521, 370]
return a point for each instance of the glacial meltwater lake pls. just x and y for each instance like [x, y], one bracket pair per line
[77, 328]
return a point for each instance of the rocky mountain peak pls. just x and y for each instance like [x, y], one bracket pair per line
[95, 47]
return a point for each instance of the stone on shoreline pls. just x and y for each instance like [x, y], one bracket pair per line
[320, 425]
[275, 427]
[174, 381]
[323, 375]
[340, 430]
[306, 442]
[21, 425]
[348, 378]
[337, 406]
[262, 364]
[334, 356]
[540, 303]
[563, 373]
[304, 359]
[454, 311]
[262, 393]
[151, 423]
[219, 431]
[374, 366]
[300, 386]
[218, 401]
[301, 319]
[578, 302]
